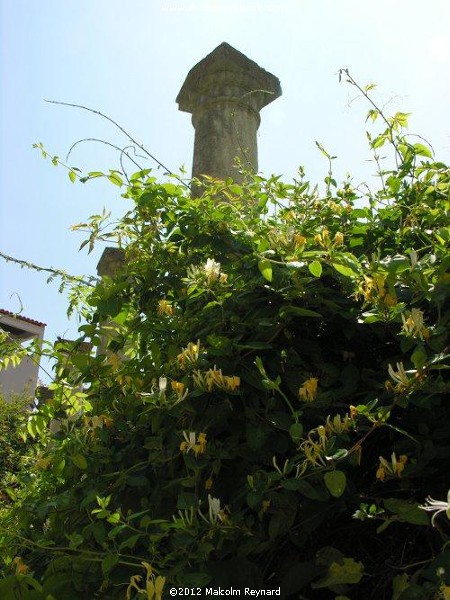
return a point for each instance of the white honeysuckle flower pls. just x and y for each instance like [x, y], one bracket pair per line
[215, 511]
[162, 386]
[400, 375]
[212, 269]
[190, 438]
[437, 506]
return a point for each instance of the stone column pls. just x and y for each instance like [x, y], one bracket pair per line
[110, 263]
[225, 92]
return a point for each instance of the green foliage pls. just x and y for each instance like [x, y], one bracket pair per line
[266, 402]
[13, 421]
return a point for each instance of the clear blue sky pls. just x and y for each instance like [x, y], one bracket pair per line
[129, 60]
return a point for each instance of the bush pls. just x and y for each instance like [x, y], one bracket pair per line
[13, 423]
[268, 406]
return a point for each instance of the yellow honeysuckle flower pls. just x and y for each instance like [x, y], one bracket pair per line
[373, 287]
[113, 360]
[201, 442]
[299, 240]
[193, 442]
[189, 355]
[134, 580]
[308, 390]
[323, 238]
[353, 411]
[400, 377]
[213, 378]
[445, 591]
[338, 239]
[153, 584]
[381, 473]
[314, 449]
[180, 390]
[335, 207]
[165, 308]
[393, 469]
[19, 566]
[390, 299]
[338, 425]
[414, 325]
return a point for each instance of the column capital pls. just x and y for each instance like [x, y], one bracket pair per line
[111, 261]
[227, 75]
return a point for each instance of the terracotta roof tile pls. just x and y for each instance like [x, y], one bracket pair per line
[21, 318]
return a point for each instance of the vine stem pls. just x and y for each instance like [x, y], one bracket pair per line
[124, 131]
[51, 270]
[376, 107]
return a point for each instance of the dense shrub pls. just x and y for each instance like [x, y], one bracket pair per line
[268, 407]
[13, 426]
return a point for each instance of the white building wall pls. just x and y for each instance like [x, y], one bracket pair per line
[21, 379]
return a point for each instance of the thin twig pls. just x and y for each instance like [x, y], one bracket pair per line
[51, 270]
[124, 131]
[121, 150]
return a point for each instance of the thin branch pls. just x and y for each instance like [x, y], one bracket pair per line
[124, 131]
[379, 110]
[121, 150]
[56, 272]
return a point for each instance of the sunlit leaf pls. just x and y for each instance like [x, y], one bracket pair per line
[265, 268]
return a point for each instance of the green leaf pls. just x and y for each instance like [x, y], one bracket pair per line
[281, 522]
[79, 461]
[196, 579]
[114, 518]
[72, 176]
[256, 436]
[335, 482]
[109, 562]
[115, 178]
[296, 431]
[399, 584]
[379, 141]
[265, 267]
[306, 489]
[402, 118]
[315, 268]
[344, 270]
[298, 311]
[408, 511]
[75, 540]
[130, 542]
[171, 189]
[323, 151]
[394, 184]
[422, 150]
[346, 571]
[419, 357]
[372, 114]
[297, 576]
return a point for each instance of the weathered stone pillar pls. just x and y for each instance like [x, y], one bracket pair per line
[110, 263]
[225, 92]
